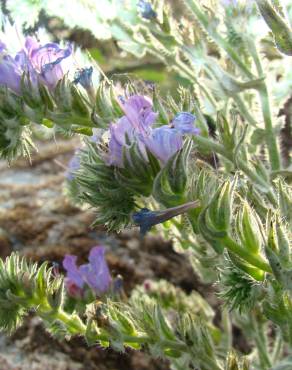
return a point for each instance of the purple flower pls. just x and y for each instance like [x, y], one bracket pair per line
[137, 120]
[138, 110]
[2, 46]
[120, 132]
[95, 274]
[163, 142]
[135, 127]
[49, 61]
[10, 71]
[184, 123]
[146, 10]
[73, 166]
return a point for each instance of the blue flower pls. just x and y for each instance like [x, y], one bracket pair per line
[184, 123]
[137, 120]
[10, 70]
[94, 274]
[146, 10]
[146, 218]
[163, 142]
[73, 166]
[136, 127]
[49, 61]
[84, 77]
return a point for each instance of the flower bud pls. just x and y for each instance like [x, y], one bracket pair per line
[278, 253]
[171, 182]
[248, 226]
[285, 201]
[214, 220]
[56, 298]
[84, 78]
[226, 135]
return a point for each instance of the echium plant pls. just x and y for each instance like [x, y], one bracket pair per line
[209, 168]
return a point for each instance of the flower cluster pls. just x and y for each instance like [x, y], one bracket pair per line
[137, 127]
[94, 274]
[45, 63]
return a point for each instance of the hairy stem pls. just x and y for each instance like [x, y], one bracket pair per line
[273, 149]
[192, 4]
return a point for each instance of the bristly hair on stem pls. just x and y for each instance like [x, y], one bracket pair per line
[238, 289]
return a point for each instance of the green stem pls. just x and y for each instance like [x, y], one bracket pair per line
[211, 145]
[192, 77]
[273, 149]
[244, 111]
[218, 38]
[76, 326]
[236, 97]
[244, 167]
[176, 345]
[73, 322]
[278, 347]
[263, 92]
[254, 260]
[261, 344]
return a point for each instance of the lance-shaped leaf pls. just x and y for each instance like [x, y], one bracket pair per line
[281, 31]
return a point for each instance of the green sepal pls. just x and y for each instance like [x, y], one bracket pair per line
[249, 229]
[56, 298]
[209, 232]
[170, 184]
[138, 172]
[254, 272]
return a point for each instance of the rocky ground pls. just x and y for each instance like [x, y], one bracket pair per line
[38, 220]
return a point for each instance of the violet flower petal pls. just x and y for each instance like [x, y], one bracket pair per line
[163, 142]
[73, 273]
[10, 74]
[96, 273]
[184, 123]
[50, 61]
[73, 166]
[138, 110]
[119, 132]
